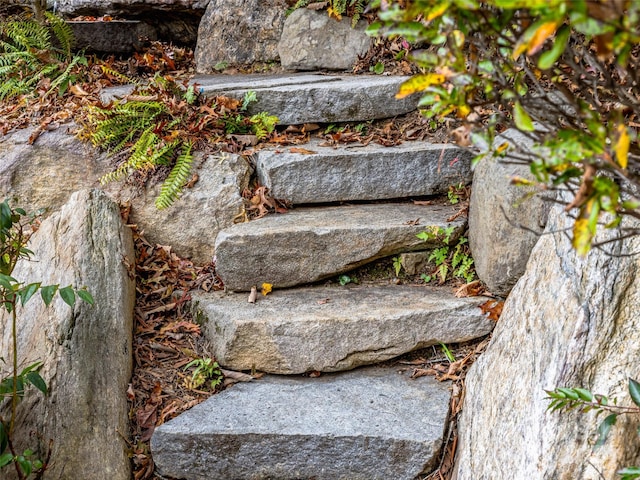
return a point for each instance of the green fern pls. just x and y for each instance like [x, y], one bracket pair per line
[62, 32]
[263, 124]
[28, 53]
[172, 186]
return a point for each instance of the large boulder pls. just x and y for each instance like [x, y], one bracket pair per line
[239, 32]
[314, 41]
[45, 174]
[568, 322]
[190, 226]
[86, 350]
[503, 218]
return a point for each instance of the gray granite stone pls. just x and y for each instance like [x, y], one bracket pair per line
[369, 424]
[310, 244]
[334, 328]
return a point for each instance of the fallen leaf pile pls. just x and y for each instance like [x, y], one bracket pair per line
[165, 340]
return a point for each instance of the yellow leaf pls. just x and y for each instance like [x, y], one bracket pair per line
[533, 38]
[543, 32]
[463, 111]
[266, 289]
[502, 147]
[582, 236]
[621, 147]
[419, 83]
[438, 10]
[334, 13]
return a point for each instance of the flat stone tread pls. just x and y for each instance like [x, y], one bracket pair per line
[368, 402]
[348, 217]
[352, 302]
[321, 173]
[211, 84]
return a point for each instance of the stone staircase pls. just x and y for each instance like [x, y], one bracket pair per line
[348, 423]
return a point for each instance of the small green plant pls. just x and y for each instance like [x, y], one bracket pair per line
[447, 353]
[14, 295]
[456, 193]
[206, 370]
[583, 400]
[450, 261]
[397, 265]
[36, 54]
[378, 68]
[344, 280]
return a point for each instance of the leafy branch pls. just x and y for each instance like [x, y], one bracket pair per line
[583, 400]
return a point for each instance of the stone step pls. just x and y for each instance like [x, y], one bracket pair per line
[310, 244]
[368, 424]
[336, 328]
[359, 172]
[313, 98]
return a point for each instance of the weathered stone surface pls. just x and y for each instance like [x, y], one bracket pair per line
[45, 174]
[191, 224]
[239, 32]
[568, 322]
[498, 215]
[371, 172]
[370, 424]
[310, 244]
[86, 350]
[331, 329]
[312, 40]
[306, 98]
[169, 20]
[414, 263]
[123, 7]
[117, 36]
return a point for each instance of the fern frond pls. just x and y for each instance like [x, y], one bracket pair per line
[120, 76]
[62, 32]
[263, 124]
[172, 186]
[138, 158]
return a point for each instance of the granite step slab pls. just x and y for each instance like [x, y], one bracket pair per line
[306, 245]
[332, 329]
[314, 98]
[359, 172]
[368, 424]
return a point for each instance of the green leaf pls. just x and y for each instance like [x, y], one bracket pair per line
[25, 293]
[522, 119]
[68, 295]
[48, 293]
[25, 465]
[604, 428]
[85, 296]
[584, 394]
[5, 459]
[634, 391]
[37, 381]
[548, 58]
[629, 473]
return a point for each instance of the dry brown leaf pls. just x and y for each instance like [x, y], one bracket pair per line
[493, 308]
[471, 289]
[302, 151]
